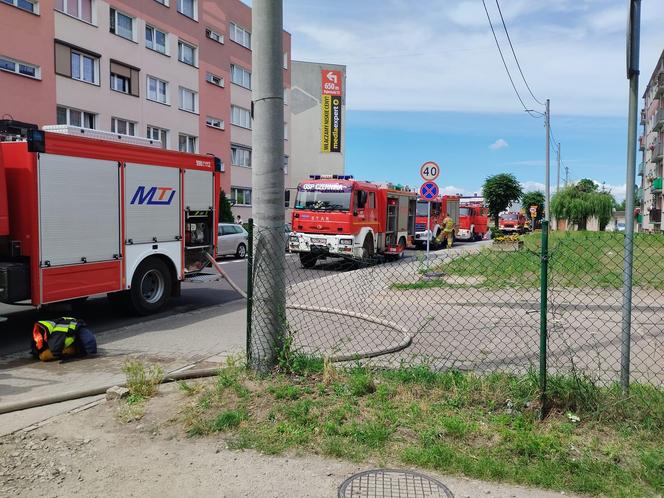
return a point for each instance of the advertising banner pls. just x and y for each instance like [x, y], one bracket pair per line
[331, 111]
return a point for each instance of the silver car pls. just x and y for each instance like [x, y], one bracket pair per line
[232, 240]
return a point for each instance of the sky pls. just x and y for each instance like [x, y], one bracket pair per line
[425, 83]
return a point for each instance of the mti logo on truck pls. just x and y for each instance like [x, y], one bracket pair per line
[154, 196]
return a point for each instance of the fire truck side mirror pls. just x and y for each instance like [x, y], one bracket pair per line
[36, 141]
[287, 198]
[218, 164]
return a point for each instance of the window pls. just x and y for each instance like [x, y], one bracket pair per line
[285, 131]
[213, 35]
[240, 35]
[214, 79]
[285, 96]
[157, 90]
[123, 127]
[119, 83]
[186, 143]
[240, 156]
[75, 117]
[29, 5]
[214, 122]
[241, 196]
[84, 67]
[188, 8]
[186, 53]
[124, 78]
[122, 25]
[163, 2]
[80, 9]
[240, 117]
[158, 134]
[240, 76]
[156, 39]
[188, 100]
[23, 68]
[285, 60]
[286, 166]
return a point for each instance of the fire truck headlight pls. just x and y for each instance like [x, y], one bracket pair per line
[346, 242]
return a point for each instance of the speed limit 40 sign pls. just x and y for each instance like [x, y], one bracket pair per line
[429, 171]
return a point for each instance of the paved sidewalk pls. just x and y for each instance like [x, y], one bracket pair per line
[197, 339]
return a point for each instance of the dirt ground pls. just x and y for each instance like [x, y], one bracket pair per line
[91, 453]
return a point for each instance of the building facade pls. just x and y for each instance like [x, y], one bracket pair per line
[309, 153]
[175, 71]
[651, 143]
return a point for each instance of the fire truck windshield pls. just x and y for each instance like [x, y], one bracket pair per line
[322, 201]
[422, 208]
[465, 211]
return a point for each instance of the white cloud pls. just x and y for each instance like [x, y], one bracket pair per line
[499, 144]
[530, 186]
[571, 51]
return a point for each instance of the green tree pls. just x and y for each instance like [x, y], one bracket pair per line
[499, 191]
[534, 198]
[586, 185]
[577, 203]
[225, 213]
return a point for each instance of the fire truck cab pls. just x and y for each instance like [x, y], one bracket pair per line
[85, 212]
[338, 216]
[473, 221]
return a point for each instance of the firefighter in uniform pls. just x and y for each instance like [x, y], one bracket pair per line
[448, 231]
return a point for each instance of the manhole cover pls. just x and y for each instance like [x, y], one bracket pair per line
[393, 484]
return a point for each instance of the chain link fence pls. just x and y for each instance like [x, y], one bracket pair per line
[474, 307]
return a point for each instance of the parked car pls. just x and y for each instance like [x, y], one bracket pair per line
[233, 240]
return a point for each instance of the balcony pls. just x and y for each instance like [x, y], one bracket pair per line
[641, 168]
[656, 216]
[658, 152]
[659, 120]
[656, 185]
[643, 116]
[660, 85]
[642, 143]
[639, 195]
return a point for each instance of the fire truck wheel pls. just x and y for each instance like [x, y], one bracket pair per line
[307, 260]
[150, 286]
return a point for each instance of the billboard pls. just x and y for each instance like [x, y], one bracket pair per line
[331, 98]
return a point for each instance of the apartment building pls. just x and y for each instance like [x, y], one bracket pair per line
[651, 143]
[316, 122]
[175, 71]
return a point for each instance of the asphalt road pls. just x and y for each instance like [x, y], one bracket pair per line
[102, 318]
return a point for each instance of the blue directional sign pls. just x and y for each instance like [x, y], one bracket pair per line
[429, 191]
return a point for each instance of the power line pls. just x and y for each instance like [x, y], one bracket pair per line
[514, 53]
[502, 57]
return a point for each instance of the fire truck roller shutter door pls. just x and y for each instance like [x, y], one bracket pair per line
[79, 210]
[198, 190]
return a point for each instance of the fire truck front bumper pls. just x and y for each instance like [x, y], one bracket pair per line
[423, 236]
[325, 245]
[463, 234]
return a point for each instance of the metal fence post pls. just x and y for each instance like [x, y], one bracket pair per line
[250, 285]
[544, 291]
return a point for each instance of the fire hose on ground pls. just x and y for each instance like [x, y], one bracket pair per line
[183, 373]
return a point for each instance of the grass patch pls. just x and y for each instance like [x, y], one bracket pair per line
[485, 427]
[577, 259]
[142, 380]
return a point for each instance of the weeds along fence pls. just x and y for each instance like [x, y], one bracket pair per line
[474, 307]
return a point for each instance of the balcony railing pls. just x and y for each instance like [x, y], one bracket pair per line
[657, 184]
[660, 85]
[656, 216]
[659, 120]
[642, 142]
[639, 195]
[643, 116]
[658, 152]
[641, 168]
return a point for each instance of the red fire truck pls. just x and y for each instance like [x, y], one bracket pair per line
[446, 204]
[338, 216]
[473, 221]
[512, 222]
[81, 216]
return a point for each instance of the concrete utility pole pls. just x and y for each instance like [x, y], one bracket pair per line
[267, 177]
[547, 124]
[558, 179]
[566, 175]
[633, 42]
